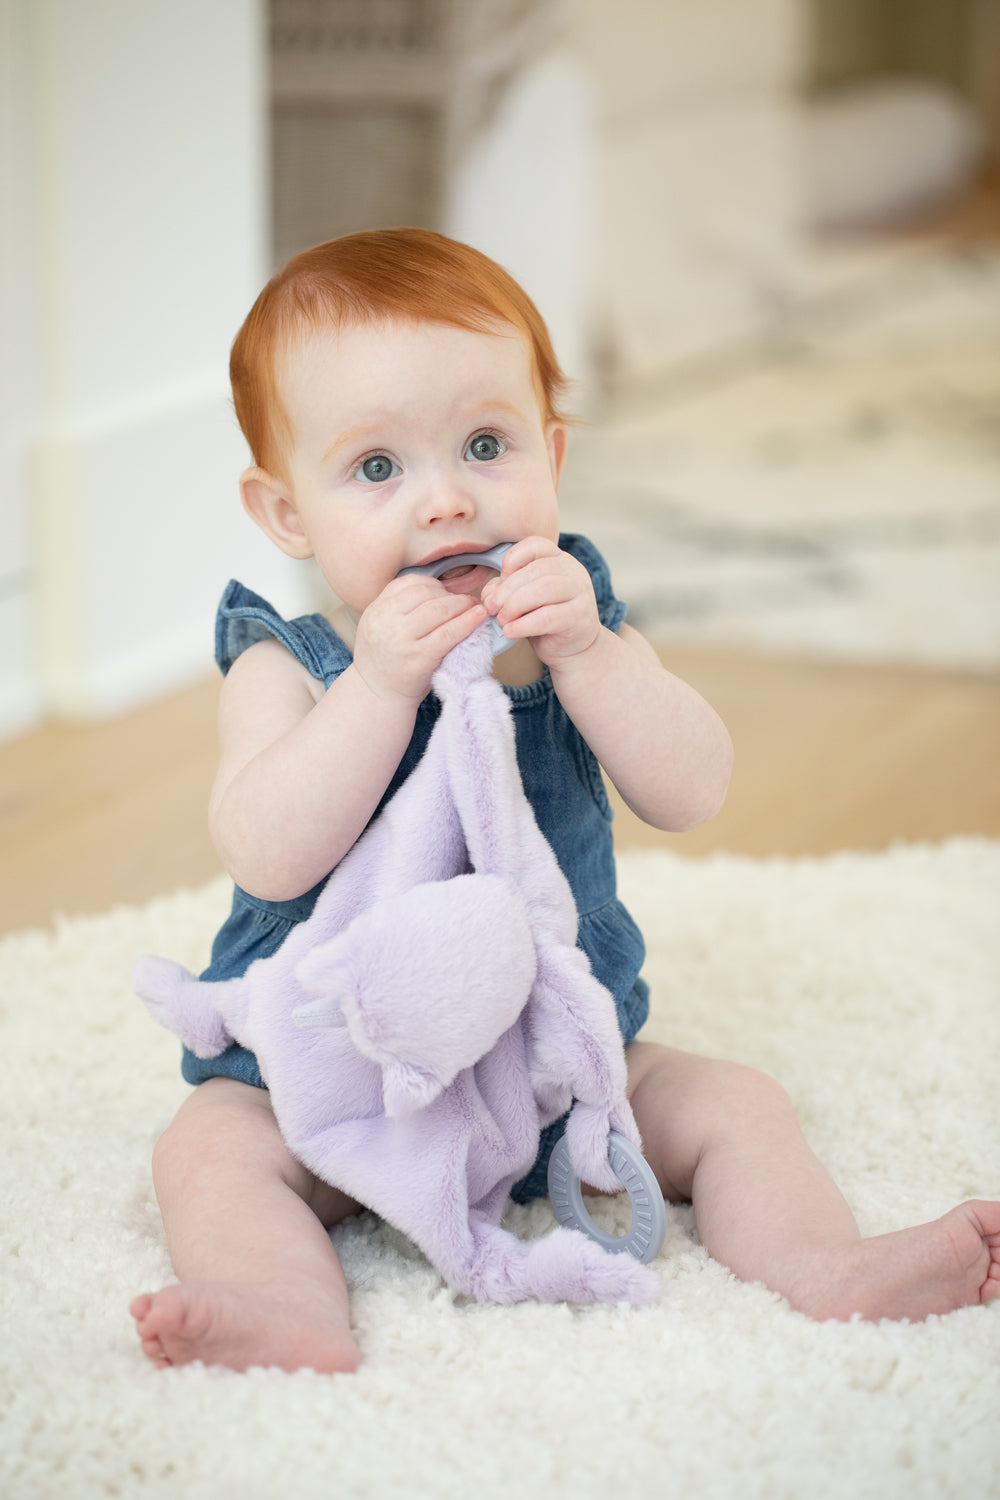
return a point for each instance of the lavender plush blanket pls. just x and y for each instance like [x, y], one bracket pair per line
[434, 1013]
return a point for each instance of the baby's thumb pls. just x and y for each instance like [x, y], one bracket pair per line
[487, 592]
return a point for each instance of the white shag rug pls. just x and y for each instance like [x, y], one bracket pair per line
[867, 983]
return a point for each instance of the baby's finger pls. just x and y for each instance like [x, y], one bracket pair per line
[488, 593]
[425, 615]
[448, 632]
[542, 582]
[528, 550]
[548, 619]
[522, 555]
[413, 590]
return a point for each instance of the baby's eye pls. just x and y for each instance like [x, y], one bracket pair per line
[484, 446]
[377, 469]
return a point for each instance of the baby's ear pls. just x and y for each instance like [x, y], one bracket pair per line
[268, 502]
[556, 441]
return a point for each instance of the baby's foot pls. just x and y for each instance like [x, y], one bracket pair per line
[949, 1263]
[239, 1325]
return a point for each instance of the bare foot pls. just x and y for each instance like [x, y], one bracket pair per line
[951, 1262]
[239, 1325]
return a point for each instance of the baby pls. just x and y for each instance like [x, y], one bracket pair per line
[402, 404]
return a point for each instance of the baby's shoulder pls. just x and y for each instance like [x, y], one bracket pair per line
[267, 670]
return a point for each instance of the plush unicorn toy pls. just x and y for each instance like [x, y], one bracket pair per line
[434, 1013]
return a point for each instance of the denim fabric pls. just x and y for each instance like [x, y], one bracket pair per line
[561, 779]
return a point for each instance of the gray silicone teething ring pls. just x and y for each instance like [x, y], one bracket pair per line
[492, 558]
[649, 1215]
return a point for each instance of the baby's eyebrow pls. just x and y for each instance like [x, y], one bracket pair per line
[348, 437]
[505, 406]
[479, 411]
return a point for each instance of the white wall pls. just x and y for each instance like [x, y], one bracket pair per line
[135, 206]
[19, 688]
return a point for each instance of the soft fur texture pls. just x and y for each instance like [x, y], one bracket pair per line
[455, 1016]
[870, 984]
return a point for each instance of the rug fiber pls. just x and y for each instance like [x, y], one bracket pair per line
[869, 984]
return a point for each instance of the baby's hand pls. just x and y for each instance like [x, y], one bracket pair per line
[544, 594]
[405, 634]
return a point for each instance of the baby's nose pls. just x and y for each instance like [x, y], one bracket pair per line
[445, 499]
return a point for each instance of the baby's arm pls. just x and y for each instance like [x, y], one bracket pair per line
[663, 746]
[301, 768]
[666, 749]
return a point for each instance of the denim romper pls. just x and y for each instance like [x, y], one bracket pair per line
[562, 782]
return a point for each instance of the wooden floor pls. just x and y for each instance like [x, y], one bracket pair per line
[828, 756]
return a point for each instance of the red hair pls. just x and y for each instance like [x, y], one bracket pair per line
[413, 275]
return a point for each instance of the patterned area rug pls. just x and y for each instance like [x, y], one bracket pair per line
[836, 492]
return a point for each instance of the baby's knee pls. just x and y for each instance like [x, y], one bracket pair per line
[748, 1097]
[712, 1084]
[213, 1129]
[186, 1146]
[175, 1153]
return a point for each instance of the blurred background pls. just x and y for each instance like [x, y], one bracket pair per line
[766, 237]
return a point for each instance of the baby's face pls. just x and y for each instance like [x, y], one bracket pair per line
[413, 441]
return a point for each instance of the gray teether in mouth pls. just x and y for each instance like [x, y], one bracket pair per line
[492, 558]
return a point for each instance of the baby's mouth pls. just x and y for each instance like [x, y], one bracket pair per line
[462, 567]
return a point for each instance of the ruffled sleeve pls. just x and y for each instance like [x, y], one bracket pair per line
[244, 618]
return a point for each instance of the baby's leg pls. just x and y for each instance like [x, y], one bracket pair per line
[260, 1282]
[726, 1138]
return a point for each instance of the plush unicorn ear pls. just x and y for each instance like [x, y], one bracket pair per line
[325, 971]
[406, 1089]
